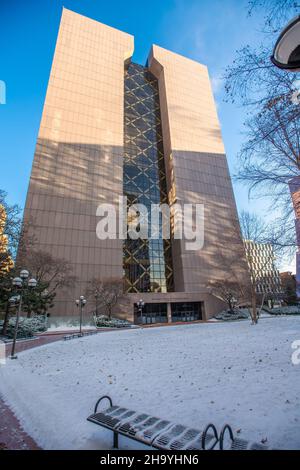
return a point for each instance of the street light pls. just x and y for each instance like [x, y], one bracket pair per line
[20, 283]
[44, 295]
[80, 303]
[14, 299]
[140, 306]
[96, 299]
[286, 53]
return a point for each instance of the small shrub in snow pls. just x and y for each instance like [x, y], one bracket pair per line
[27, 326]
[237, 314]
[288, 310]
[103, 321]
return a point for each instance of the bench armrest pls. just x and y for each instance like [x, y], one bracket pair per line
[100, 399]
[222, 434]
[204, 434]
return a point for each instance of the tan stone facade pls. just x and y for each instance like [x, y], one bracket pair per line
[78, 158]
[78, 161]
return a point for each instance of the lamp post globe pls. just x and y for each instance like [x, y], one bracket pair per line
[32, 283]
[14, 299]
[17, 282]
[24, 274]
[286, 53]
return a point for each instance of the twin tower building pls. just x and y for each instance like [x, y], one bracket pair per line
[111, 129]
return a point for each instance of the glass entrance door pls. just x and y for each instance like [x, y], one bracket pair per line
[152, 313]
[186, 311]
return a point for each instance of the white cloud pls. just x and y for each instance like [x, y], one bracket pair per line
[288, 265]
[217, 84]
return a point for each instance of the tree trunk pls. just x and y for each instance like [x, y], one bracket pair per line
[6, 318]
[109, 311]
[254, 310]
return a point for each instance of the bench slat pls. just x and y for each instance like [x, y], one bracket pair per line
[143, 427]
[152, 430]
[111, 417]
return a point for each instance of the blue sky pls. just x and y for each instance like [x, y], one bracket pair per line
[207, 31]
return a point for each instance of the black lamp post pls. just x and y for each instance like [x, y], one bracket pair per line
[140, 306]
[44, 295]
[96, 302]
[20, 283]
[80, 303]
[286, 53]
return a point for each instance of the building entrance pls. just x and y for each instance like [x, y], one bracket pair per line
[186, 311]
[151, 313]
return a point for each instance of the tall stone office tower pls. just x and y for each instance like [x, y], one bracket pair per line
[114, 128]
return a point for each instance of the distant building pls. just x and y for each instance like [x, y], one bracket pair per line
[288, 283]
[261, 261]
[294, 185]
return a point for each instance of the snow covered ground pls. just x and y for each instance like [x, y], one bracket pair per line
[192, 374]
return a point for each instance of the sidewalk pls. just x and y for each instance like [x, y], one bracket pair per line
[12, 436]
[22, 345]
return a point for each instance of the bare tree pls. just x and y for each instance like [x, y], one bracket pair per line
[233, 281]
[18, 241]
[55, 272]
[105, 293]
[256, 231]
[51, 274]
[270, 155]
[252, 227]
[228, 291]
[276, 12]
[240, 278]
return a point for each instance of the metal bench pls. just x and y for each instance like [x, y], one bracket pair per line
[152, 431]
[73, 336]
[164, 435]
[79, 335]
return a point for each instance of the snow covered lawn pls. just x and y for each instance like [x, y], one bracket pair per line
[192, 374]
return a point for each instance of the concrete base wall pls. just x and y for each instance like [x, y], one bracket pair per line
[211, 305]
[125, 309]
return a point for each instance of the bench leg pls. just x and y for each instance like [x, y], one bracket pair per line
[116, 440]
